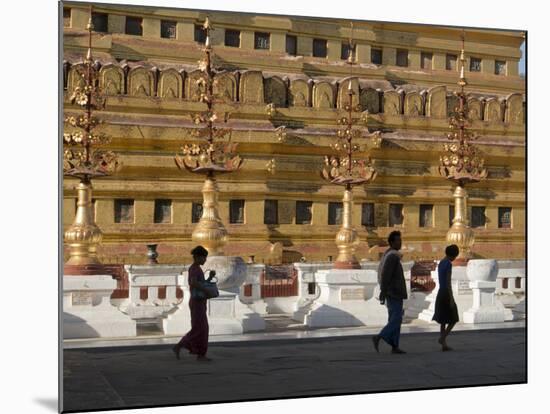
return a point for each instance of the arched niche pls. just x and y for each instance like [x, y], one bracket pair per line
[141, 82]
[170, 84]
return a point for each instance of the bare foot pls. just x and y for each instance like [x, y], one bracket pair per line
[203, 358]
[176, 350]
[376, 341]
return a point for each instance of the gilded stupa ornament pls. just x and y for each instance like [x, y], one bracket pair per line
[462, 164]
[344, 169]
[83, 159]
[214, 153]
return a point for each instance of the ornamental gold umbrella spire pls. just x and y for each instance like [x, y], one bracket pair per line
[83, 160]
[462, 164]
[216, 154]
[343, 169]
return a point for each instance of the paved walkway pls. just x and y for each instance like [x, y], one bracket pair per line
[111, 377]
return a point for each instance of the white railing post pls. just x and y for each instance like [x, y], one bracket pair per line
[253, 276]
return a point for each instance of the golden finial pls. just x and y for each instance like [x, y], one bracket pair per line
[89, 28]
[207, 27]
[462, 81]
[350, 51]
[90, 25]
[350, 58]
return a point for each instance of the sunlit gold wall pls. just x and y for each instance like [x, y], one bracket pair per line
[151, 83]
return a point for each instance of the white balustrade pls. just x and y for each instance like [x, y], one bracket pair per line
[226, 313]
[152, 277]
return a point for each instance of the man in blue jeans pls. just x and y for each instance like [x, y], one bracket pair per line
[393, 290]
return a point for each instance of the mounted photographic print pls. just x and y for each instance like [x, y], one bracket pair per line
[261, 206]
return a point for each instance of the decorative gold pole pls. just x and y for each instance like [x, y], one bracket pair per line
[346, 238]
[83, 236]
[210, 231]
[82, 161]
[462, 165]
[344, 170]
[209, 158]
[460, 233]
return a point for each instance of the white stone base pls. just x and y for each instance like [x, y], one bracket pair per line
[226, 315]
[283, 304]
[486, 308]
[178, 322]
[343, 299]
[416, 304]
[257, 306]
[305, 300]
[88, 312]
[485, 315]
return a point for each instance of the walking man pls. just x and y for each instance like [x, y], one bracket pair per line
[393, 290]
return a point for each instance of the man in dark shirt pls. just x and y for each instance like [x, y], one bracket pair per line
[393, 290]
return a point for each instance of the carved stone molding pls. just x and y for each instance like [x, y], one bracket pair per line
[251, 87]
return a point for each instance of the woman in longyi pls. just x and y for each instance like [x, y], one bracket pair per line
[196, 340]
[446, 311]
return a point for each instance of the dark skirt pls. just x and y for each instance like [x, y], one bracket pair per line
[445, 308]
[196, 340]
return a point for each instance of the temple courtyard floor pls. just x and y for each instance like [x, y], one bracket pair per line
[287, 362]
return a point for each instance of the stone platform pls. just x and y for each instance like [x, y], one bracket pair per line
[286, 365]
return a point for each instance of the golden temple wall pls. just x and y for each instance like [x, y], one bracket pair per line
[148, 113]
